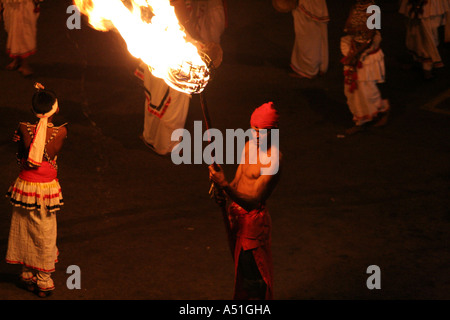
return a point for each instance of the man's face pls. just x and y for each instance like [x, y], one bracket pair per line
[260, 135]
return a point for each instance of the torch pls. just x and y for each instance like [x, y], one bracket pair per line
[214, 192]
[160, 42]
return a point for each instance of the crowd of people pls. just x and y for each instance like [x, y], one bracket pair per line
[363, 58]
[36, 194]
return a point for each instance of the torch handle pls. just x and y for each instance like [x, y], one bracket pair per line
[205, 111]
[206, 118]
[214, 192]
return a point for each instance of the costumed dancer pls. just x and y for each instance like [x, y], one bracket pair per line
[310, 53]
[248, 221]
[424, 17]
[36, 196]
[364, 70]
[166, 109]
[20, 19]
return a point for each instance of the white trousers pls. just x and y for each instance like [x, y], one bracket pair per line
[365, 102]
[422, 40]
[310, 53]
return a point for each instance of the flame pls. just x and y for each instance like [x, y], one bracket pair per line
[159, 41]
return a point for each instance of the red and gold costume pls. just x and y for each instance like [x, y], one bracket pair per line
[251, 231]
[36, 197]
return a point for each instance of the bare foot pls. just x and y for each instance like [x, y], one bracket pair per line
[383, 119]
[13, 65]
[44, 294]
[25, 70]
[354, 130]
[294, 74]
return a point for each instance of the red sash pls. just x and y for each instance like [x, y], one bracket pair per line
[252, 230]
[45, 173]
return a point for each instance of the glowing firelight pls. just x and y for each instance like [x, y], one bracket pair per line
[160, 43]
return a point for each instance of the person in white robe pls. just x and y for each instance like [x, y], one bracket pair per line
[207, 19]
[166, 109]
[20, 21]
[422, 37]
[364, 69]
[310, 52]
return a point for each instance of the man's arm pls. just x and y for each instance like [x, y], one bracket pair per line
[263, 188]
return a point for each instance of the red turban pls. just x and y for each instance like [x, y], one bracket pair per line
[265, 117]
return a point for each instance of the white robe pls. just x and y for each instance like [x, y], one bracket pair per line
[208, 18]
[366, 101]
[310, 53]
[422, 34]
[32, 239]
[21, 25]
[165, 111]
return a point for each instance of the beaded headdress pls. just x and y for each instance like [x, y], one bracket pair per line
[356, 24]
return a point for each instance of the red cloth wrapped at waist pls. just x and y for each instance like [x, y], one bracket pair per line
[45, 173]
[252, 228]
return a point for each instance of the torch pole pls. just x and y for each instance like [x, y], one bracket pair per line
[218, 195]
[205, 112]
[207, 119]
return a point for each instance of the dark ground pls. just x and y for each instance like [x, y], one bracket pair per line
[140, 227]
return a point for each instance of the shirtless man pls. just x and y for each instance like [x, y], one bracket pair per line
[249, 220]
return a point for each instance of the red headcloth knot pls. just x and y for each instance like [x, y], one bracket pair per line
[265, 117]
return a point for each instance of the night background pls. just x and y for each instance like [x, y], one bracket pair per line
[140, 227]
